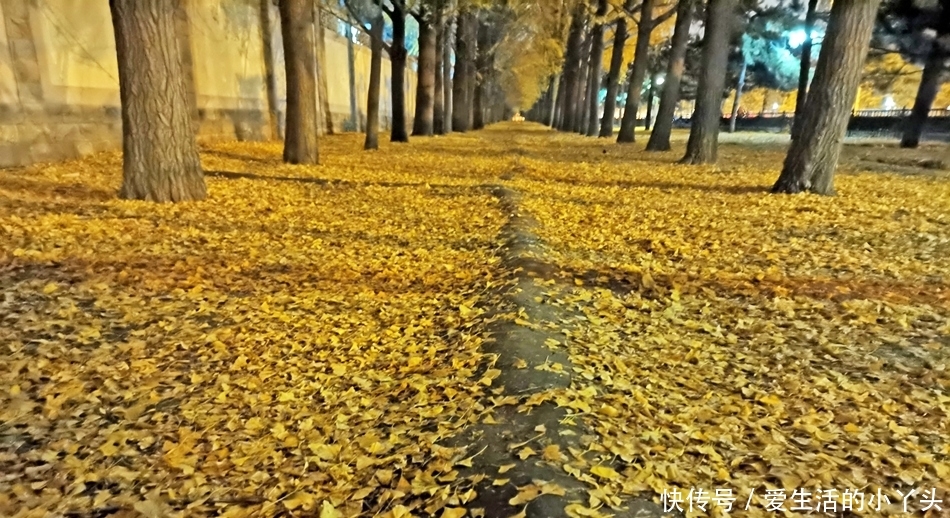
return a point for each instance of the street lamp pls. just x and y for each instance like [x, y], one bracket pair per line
[659, 80]
[796, 38]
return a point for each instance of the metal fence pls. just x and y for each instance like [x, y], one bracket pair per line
[903, 112]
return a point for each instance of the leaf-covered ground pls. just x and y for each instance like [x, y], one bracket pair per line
[304, 341]
[739, 340]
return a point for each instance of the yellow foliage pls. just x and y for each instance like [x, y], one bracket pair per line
[302, 341]
[794, 327]
[758, 100]
[217, 349]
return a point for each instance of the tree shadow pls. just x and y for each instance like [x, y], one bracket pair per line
[444, 189]
[19, 186]
[817, 288]
[666, 186]
[275, 160]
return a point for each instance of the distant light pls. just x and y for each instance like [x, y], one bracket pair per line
[660, 80]
[797, 37]
[774, 107]
[889, 103]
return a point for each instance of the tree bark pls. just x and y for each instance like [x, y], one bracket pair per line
[375, 78]
[482, 61]
[549, 102]
[740, 84]
[572, 70]
[461, 103]
[320, 67]
[804, 68]
[660, 137]
[270, 78]
[438, 92]
[812, 157]
[558, 116]
[471, 74]
[351, 69]
[583, 90]
[422, 123]
[397, 59]
[296, 24]
[703, 144]
[478, 113]
[651, 93]
[638, 74]
[613, 76]
[930, 82]
[159, 154]
[448, 83]
[596, 66]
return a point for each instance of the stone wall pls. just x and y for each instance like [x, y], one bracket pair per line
[59, 90]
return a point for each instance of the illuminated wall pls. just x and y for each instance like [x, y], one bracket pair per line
[59, 89]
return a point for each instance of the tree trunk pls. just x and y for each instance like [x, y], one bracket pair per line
[448, 83]
[548, 115]
[397, 59]
[541, 105]
[159, 154]
[638, 74]
[740, 84]
[583, 90]
[650, 95]
[320, 67]
[375, 78]
[703, 144]
[596, 66]
[812, 157]
[804, 69]
[572, 70]
[930, 82]
[613, 76]
[351, 66]
[478, 114]
[438, 92]
[660, 137]
[461, 104]
[471, 74]
[270, 78]
[296, 24]
[482, 61]
[422, 123]
[558, 116]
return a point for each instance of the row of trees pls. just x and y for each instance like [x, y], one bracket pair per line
[477, 57]
[744, 32]
[920, 32]
[459, 86]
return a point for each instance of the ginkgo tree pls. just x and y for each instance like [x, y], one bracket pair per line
[369, 14]
[300, 135]
[813, 156]
[676, 64]
[719, 27]
[159, 153]
[919, 31]
[648, 21]
[429, 14]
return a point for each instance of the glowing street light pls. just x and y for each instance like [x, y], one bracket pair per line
[659, 80]
[796, 38]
